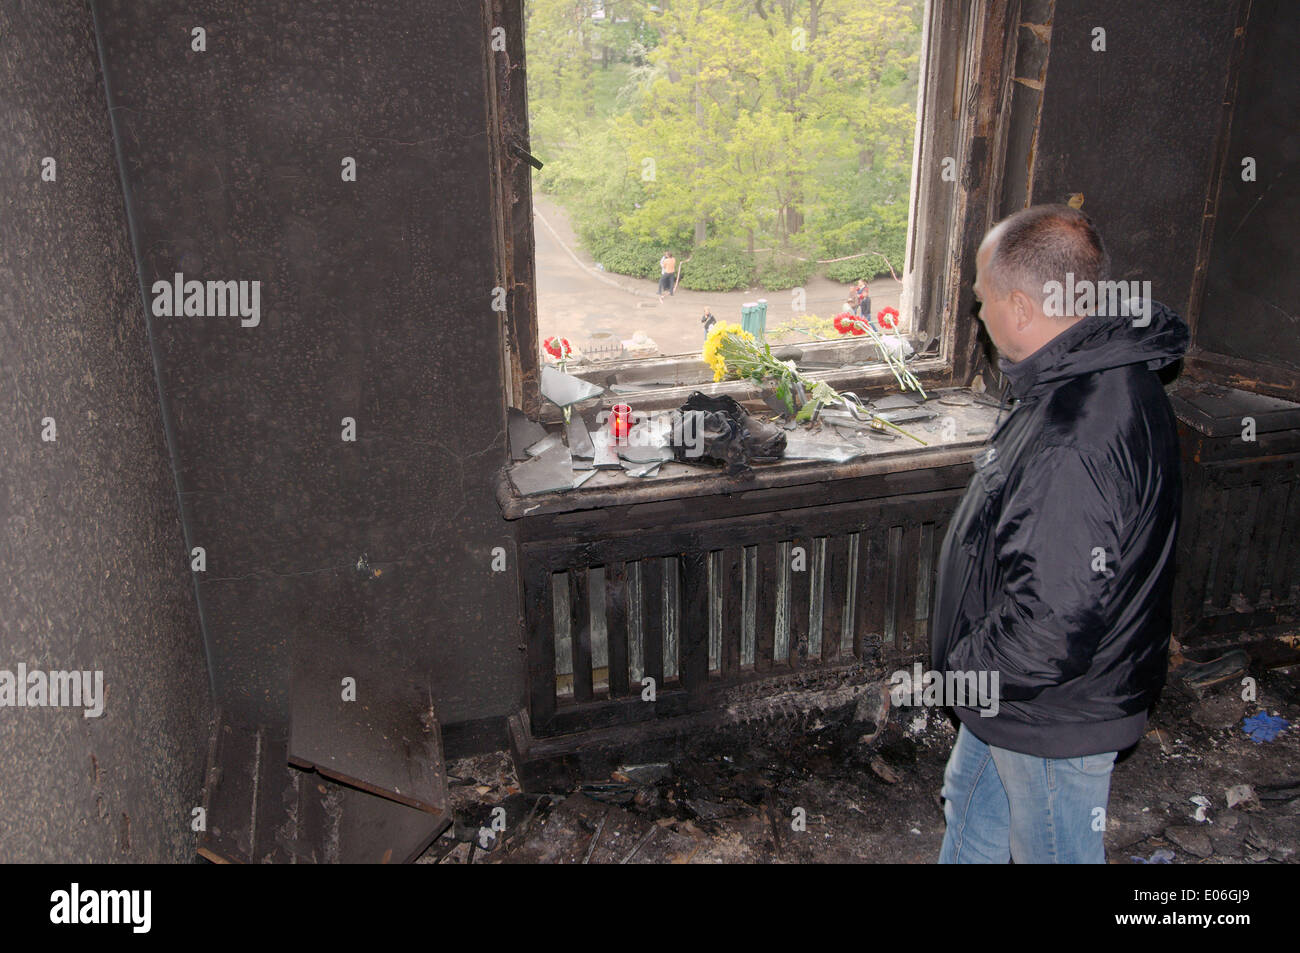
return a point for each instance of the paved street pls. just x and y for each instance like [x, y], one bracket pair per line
[574, 298]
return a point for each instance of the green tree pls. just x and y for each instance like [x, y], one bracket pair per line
[772, 122]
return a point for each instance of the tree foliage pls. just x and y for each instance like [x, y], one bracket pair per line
[750, 124]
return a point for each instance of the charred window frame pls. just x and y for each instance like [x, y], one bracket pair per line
[968, 50]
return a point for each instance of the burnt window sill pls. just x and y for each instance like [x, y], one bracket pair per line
[948, 444]
[677, 377]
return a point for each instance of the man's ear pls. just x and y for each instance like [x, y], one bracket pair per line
[1023, 309]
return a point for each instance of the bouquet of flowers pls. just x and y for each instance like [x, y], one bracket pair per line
[560, 349]
[732, 352]
[847, 323]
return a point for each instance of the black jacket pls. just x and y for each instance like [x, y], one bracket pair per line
[1057, 569]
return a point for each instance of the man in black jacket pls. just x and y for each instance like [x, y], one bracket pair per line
[1055, 577]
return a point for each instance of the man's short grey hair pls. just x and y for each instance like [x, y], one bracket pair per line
[1041, 244]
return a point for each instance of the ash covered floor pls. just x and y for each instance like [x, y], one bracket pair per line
[870, 794]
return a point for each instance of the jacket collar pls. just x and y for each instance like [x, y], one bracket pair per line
[1098, 343]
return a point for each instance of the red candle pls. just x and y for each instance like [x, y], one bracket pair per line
[620, 422]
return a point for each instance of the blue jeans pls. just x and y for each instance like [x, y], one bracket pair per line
[1003, 805]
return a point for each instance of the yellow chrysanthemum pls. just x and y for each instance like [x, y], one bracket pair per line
[719, 336]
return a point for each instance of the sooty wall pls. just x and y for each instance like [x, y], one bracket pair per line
[92, 564]
[1133, 128]
[1252, 298]
[375, 305]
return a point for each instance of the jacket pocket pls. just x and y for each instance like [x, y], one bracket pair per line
[985, 491]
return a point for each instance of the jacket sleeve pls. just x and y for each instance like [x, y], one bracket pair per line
[1057, 543]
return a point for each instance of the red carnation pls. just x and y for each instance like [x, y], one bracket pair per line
[843, 322]
[557, 347]
[887, 317]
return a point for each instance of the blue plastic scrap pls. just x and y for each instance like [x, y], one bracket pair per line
[1262, 726]
[1159, 857]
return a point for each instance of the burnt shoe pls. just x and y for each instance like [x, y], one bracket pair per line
[1225, 668]
[728, 435]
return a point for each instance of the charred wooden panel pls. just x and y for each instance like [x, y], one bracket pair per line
[878, 566]
[1237, 545]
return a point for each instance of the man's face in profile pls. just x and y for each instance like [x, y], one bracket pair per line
[996, 314]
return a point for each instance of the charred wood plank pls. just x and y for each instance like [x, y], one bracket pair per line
[769, 565]
[834, 594]
[382, 738]
[731, 588]
[616, 588]
[693, 626]
[580, 633]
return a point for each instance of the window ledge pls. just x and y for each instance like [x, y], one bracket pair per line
[933, 372]
[676, 481]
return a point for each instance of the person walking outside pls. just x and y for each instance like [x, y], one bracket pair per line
[863, 295]
[667, 274]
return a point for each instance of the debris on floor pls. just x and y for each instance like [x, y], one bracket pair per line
[857, 786]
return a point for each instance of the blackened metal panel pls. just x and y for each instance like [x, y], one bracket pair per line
[1252, 300]
[1115, 120]
[374, 306]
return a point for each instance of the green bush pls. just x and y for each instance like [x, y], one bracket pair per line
[717, 268]
[621, 255]
[778, 275]
[848, 272]
[868, 267]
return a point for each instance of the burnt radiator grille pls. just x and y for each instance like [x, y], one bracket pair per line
[1239, 546]
[742, 601]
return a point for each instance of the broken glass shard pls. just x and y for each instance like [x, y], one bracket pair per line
[548, 472]
[523, 433]
[819, 446]
[580, 444]
[645, 444]
[904, 415]
[892, 402]
[565, 390]
[606, 458]
[541, 446]
[778, 405]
